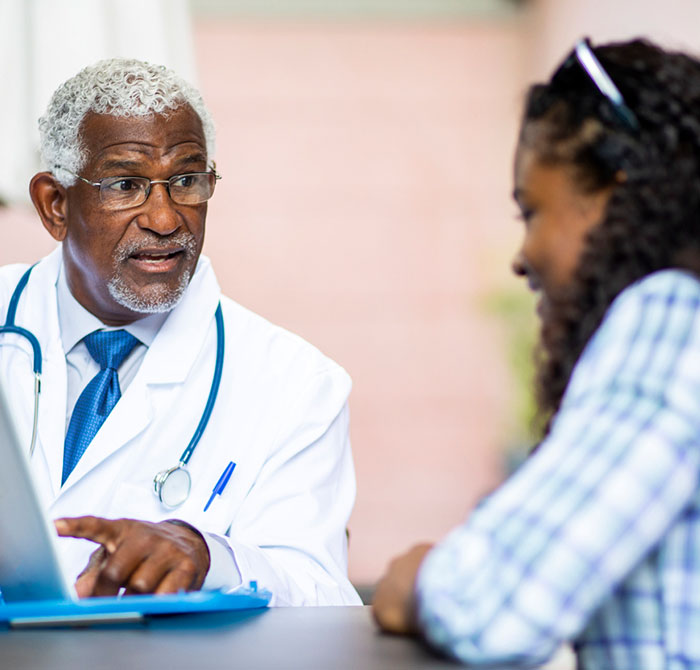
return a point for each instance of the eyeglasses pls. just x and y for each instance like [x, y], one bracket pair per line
[583, 54]
[191, 188]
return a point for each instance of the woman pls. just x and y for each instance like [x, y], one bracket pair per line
[596, 539]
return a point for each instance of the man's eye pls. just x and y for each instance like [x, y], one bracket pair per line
[123, 185]
[184, 181]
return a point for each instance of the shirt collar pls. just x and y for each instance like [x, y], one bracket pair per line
[76, 322]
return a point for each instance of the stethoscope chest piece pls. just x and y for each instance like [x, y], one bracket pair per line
[172, 486]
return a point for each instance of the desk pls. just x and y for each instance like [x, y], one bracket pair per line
[309, 638]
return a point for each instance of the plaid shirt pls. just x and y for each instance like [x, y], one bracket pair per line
[596, 538]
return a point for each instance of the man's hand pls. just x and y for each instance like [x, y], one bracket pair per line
[140, 556]
[394, 605]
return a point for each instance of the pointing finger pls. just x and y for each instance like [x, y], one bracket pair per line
[103, 531]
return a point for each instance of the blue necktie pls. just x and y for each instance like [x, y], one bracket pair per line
[109, 349]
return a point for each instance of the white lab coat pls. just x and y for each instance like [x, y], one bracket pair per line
[281, 416]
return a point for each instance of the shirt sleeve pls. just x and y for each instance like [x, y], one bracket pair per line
[223, 572]
[537, 558]
[290, 534]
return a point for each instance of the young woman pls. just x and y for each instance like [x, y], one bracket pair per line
[596, 539]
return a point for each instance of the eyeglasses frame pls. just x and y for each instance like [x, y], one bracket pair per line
[212, 170]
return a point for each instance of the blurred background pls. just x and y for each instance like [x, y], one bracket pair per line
[365, 148]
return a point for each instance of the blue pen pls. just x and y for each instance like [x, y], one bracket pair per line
[221, 484]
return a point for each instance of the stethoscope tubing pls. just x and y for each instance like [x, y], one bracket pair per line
[11, 327]
[213, 391]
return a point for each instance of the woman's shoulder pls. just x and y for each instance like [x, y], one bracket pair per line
[653, 296]
[657, 316]
[670, 282]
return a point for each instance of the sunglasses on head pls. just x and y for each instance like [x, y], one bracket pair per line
[583, 55]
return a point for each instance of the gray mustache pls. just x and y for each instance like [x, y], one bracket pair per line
[185, 240]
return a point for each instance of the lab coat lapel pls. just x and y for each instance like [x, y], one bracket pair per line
[168, 360]
[182, 336]
[52, 414]
[130, 416]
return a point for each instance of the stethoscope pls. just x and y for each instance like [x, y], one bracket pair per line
[171, 486]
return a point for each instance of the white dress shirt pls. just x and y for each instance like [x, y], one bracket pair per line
[76, 323]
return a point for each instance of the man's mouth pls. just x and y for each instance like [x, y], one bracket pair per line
[157, 260]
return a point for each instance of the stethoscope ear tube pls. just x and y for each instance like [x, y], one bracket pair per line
[213, 391]
[10, 326]
[172, 486]
[35, 422]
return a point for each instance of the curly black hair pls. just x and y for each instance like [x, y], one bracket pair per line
[652, 219]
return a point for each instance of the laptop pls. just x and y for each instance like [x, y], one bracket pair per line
[34, 591]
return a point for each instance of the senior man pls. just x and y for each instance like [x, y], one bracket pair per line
[136, 337]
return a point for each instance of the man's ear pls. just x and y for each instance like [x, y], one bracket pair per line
[49, 198]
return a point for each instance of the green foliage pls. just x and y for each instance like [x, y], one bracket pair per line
[515, 311]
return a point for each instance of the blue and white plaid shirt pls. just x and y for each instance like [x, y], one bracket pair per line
[596, 538]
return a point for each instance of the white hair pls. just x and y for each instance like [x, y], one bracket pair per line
[118, 87]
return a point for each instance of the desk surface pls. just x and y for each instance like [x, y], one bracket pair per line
[310, 638]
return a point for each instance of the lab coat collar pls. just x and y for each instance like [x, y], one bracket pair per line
[43, 320]
[76, 322]
[178, 336]
[182, 336]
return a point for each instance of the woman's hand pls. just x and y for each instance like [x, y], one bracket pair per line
[394, 606]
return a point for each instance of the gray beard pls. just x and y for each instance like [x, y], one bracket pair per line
[156, 299]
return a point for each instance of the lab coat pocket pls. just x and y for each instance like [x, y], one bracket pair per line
[140, 502]
[137, 502]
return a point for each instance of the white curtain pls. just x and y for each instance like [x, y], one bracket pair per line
[44, 42]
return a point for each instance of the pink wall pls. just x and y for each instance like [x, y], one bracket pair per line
[555, 25]
[365, 205]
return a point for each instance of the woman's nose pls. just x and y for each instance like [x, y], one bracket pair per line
[518, 265]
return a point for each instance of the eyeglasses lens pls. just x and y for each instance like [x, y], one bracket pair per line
[192, 189]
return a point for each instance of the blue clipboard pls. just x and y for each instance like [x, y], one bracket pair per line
[123, 609]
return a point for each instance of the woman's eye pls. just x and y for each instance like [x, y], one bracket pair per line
[525, 214]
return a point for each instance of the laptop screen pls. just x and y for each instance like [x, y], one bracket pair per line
[29, 565]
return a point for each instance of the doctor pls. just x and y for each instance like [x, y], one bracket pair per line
[124, 312]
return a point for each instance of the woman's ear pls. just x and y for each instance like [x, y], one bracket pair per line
[49, 198]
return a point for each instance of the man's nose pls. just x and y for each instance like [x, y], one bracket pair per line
[159, 213]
